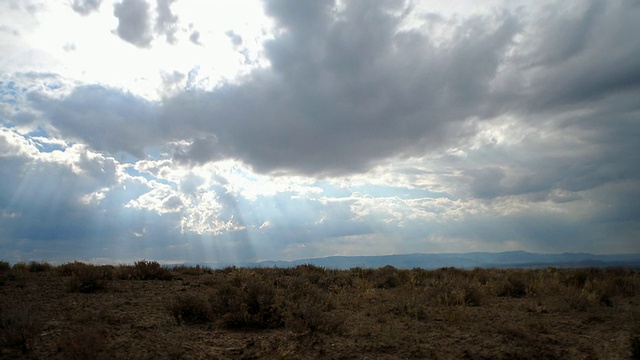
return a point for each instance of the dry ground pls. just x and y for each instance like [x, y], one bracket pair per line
[143, 311]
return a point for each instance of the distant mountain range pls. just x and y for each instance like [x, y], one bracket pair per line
[509, 259]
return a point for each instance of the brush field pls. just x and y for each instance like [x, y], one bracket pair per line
[146, 311]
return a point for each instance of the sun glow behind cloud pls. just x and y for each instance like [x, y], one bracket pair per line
[94, 55]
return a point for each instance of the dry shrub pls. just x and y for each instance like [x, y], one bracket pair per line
[143, 270]
[37, 266]
[4, 277]
[77, 267]
[386, 278]
[191, 270]
[418, 277]
[576, 279]
[413, 302]
[515, 286]
[20, 267]
[246, 301]
[17, 328]
[307, 307]
[451, 293]
[314, 274]
[577, 300]
[583, 300]
[150, 270]
[70, 269]
[5, 273]
[619, 283]
[89, 278]
[455, 287]
[473, 295]
[191, 309]
[483, 276]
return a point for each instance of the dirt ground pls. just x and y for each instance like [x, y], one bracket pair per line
[368, 316]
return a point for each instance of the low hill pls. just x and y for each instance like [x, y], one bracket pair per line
[508, 259]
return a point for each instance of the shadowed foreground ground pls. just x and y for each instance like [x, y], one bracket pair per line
[144, 311]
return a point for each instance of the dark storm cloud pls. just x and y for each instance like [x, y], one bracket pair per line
[85, 7]
[134, 23]
[347, 89]
[106, 119]
[351, 86]
[585, 57]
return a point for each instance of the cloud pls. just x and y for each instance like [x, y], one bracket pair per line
[339, 97]
[373, 126]
[135, 20]
[166, 21]
[352, 87]
[29, 6]
[346, 92]
[172, 82]
[235, 38]
[45, 198]
[69, 47]
[106, 119]
[575, 58]
[72, 203]
[134, 24]
[195, 37]
[85, 7]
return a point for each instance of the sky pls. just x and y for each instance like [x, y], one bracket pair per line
[234, 131]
